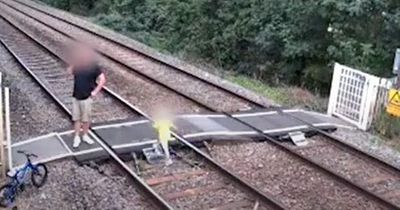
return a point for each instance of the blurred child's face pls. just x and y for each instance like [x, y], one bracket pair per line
[163, 112]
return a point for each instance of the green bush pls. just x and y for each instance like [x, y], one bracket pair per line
[388, 126]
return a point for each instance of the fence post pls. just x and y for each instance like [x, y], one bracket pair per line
[2, 151]
[372, 92]
[398, 81]
[8, 125]
[334, 89]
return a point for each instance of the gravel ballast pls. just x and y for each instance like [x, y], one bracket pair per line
[52, 73]
[359, 139]
[140, 47]
[70, 186]
[377, 178]
[297, 192]
[138, 90]
[219, 190]
[369, 143]
[144, 64]
[297, 185]
[32, 112]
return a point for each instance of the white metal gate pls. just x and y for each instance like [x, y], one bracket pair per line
[354, 95]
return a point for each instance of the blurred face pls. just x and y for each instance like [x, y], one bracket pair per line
[163, 112]
[81, 55]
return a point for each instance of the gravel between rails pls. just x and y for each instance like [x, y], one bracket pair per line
[143, 93]
[133, 87]
[32, 112]
[70, 186]
[53, 74]
[164, 73]
[359, 139]
[297, 185]
[369, 143]
[384, 181]
[224, 193]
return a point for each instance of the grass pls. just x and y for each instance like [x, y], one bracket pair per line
[286, 96]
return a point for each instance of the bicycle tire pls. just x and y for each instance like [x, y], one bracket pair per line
[3, 200]
[36, 174]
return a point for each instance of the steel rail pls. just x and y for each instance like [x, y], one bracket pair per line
[152, 79]
[154, 58]
[335, 140]
[266, 198]
[357, 152]
[157, 199]
[271, 139]
[374, 196]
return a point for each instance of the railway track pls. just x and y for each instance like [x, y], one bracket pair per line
[26, 118]
[124, 51]
[147, 66]
[52, 73]
[35, 57]
[376, 177]
[190, 180]
[361, 185]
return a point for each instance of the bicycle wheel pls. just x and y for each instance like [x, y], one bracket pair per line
[39, 175]
[7, 195]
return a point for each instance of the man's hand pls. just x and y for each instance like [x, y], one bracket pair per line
[100, 84]
[94, 93]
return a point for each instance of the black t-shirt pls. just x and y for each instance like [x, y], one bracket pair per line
[85, 80]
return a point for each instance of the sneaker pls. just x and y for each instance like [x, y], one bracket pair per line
[87, 139]
[77, 142]
[168, 162]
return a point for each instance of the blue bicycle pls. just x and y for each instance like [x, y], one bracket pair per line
[38, 173]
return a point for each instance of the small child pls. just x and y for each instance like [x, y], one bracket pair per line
[163, 124]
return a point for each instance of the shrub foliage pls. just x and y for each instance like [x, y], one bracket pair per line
[277, 41]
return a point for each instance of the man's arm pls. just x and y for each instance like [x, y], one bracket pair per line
[100, 84]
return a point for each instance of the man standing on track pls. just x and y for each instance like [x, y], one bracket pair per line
[86, 72]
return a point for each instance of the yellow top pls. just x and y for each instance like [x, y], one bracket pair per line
[163, 128]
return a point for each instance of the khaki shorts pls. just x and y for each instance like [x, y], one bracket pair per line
[82, 110]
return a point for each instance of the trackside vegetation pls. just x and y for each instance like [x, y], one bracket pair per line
[283, 49]
[276, 41]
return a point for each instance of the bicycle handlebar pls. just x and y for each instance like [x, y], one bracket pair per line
[27, 154]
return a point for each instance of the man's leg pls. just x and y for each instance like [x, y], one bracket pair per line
[85, 128]
[86, 115]
[77, 124]
[77, 127]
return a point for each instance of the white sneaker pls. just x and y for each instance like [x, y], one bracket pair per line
[87, 139]
[77, 142]
[168, 162]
